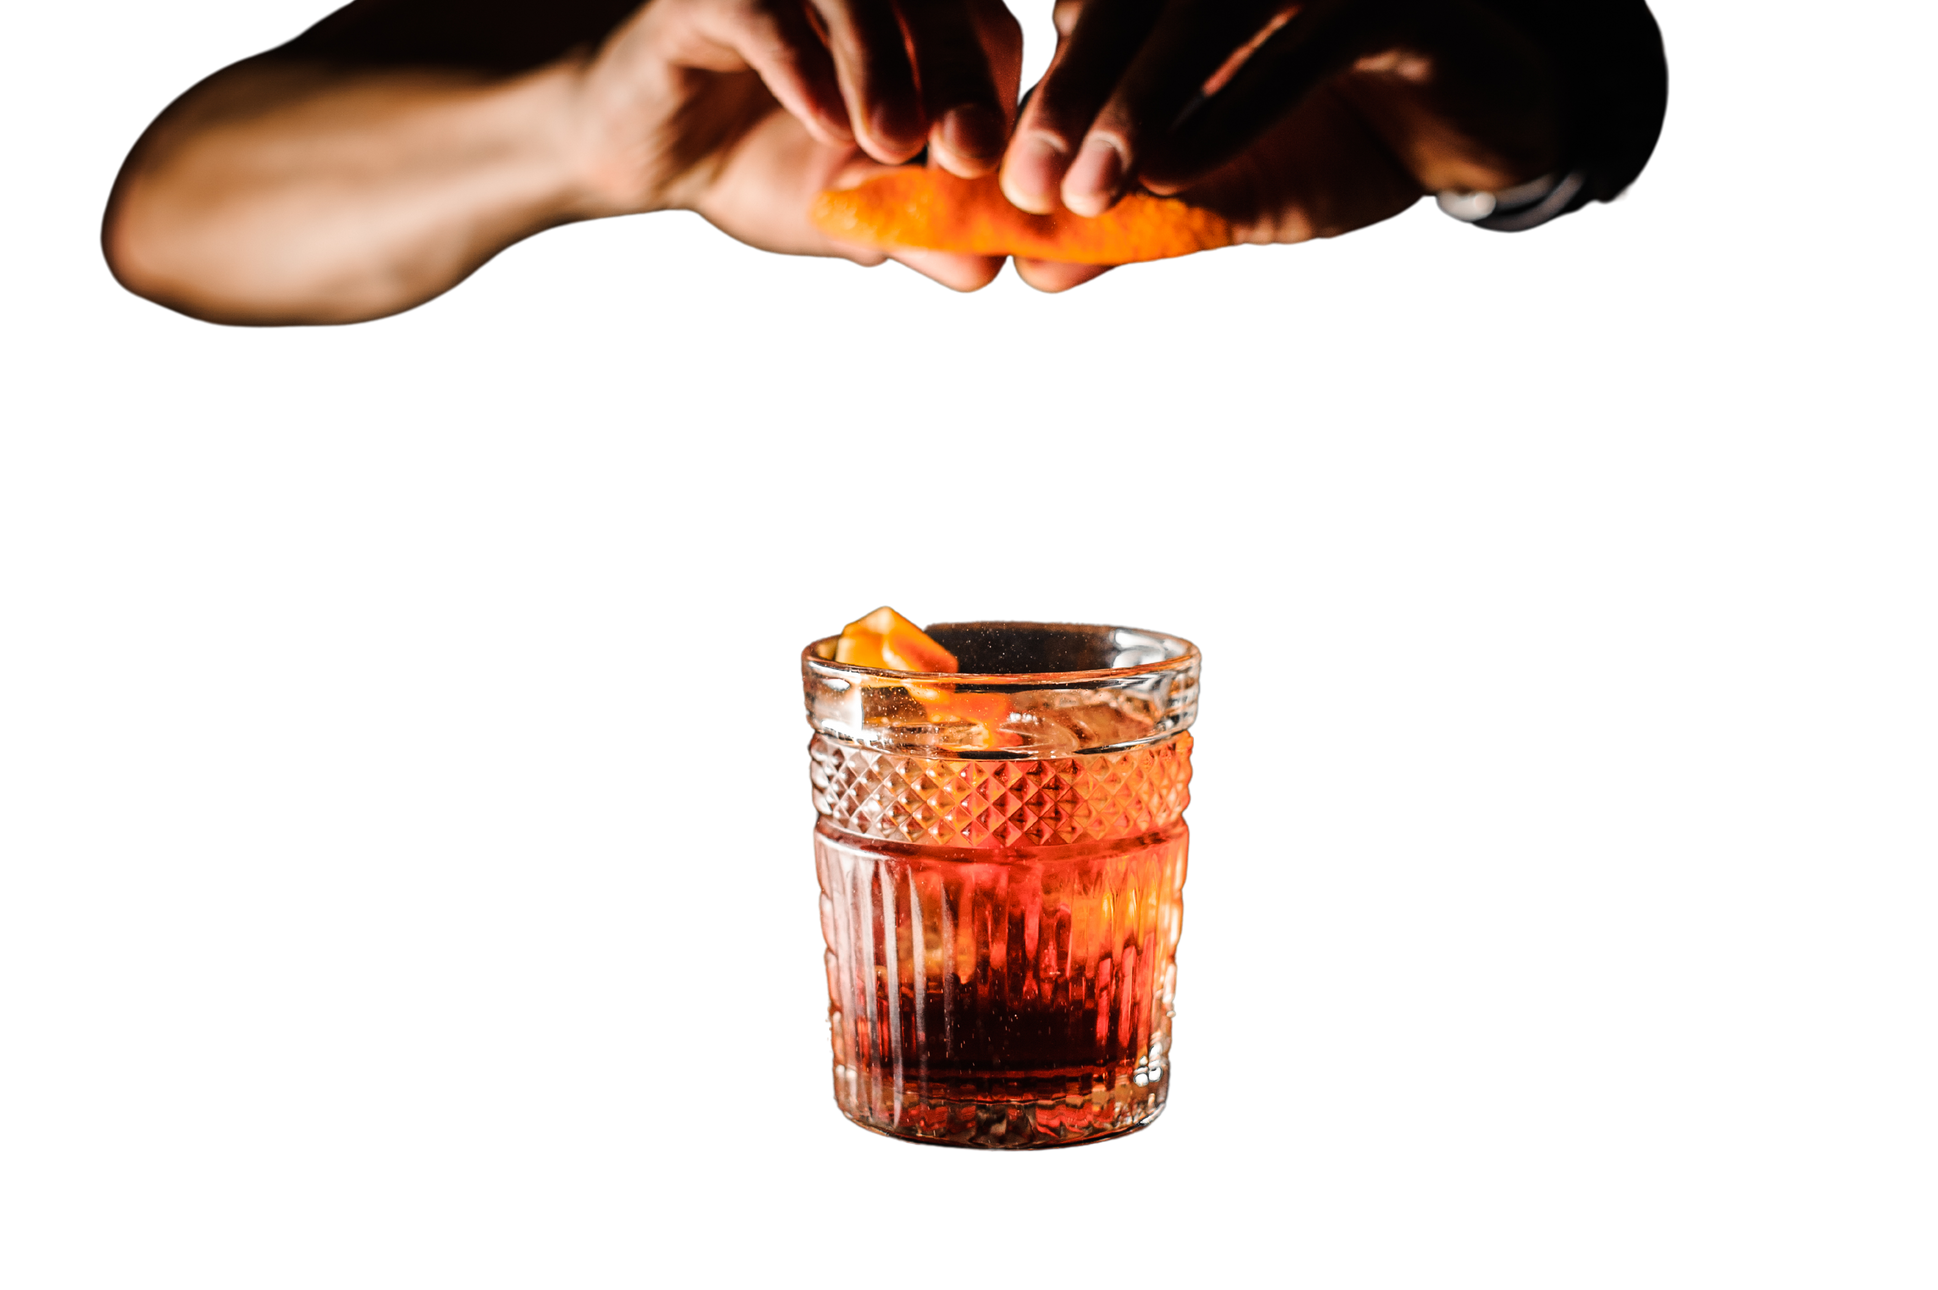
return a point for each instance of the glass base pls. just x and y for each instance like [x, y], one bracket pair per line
[1006, 1124]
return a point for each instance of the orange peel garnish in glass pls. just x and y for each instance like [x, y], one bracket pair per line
[885, 639]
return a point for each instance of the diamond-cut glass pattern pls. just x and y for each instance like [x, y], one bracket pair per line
[1001, 802]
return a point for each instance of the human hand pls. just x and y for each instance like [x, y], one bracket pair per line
[842, 67]
[736, 109]
[916, 71]
[1291, 121]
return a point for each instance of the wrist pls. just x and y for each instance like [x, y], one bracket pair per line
[596, 180]
[618, 165]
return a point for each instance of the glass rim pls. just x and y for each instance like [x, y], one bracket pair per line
[1186, 654]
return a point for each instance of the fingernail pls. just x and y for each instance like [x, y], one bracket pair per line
[1091, 186]
[1032, 172]
[973, 131]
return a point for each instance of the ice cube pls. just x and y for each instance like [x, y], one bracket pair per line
[1041, 732]
[1062, 720]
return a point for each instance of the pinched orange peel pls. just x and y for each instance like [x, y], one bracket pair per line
[886, 639]
[931, 209]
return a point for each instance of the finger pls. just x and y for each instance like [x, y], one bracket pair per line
[761, 190]
[952, 270]
[866, 256]
[1055, 275]
[1097, 39]
[1190, 52]
[775, 38]
[959, 272]
[1285, 69]
[967, 125]
[871, 63]
[1002, 41]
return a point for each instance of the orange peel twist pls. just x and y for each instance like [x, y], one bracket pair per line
[885, 639]
[933, 210]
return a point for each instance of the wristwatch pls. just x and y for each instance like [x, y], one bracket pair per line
[1517, 209]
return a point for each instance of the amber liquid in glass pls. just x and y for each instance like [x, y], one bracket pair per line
[1016, 992]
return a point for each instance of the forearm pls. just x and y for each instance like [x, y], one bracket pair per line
[280, 192]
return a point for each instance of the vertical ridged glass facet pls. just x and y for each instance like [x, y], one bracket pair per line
[1019, 999]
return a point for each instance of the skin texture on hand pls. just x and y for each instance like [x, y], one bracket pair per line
[1291, 120]
[364, 169]
[913, 72]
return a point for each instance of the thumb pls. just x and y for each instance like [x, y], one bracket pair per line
[957, 271]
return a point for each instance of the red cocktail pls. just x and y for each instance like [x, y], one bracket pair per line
[1002, 856]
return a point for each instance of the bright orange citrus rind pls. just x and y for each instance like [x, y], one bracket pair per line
[931, 209]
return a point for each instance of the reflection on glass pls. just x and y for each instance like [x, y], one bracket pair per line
[1001, 894]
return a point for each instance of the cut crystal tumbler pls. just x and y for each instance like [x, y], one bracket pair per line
[1001, 893]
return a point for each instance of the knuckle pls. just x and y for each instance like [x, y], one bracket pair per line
[954, 73]
[1063, 136]
[884, 66]
[1062, 116]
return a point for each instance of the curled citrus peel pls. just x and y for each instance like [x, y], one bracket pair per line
[931, 209]
[885, 639]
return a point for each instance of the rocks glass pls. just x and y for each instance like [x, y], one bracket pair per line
[1002, 901]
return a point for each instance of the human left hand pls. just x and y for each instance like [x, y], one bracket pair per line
[731, 108]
